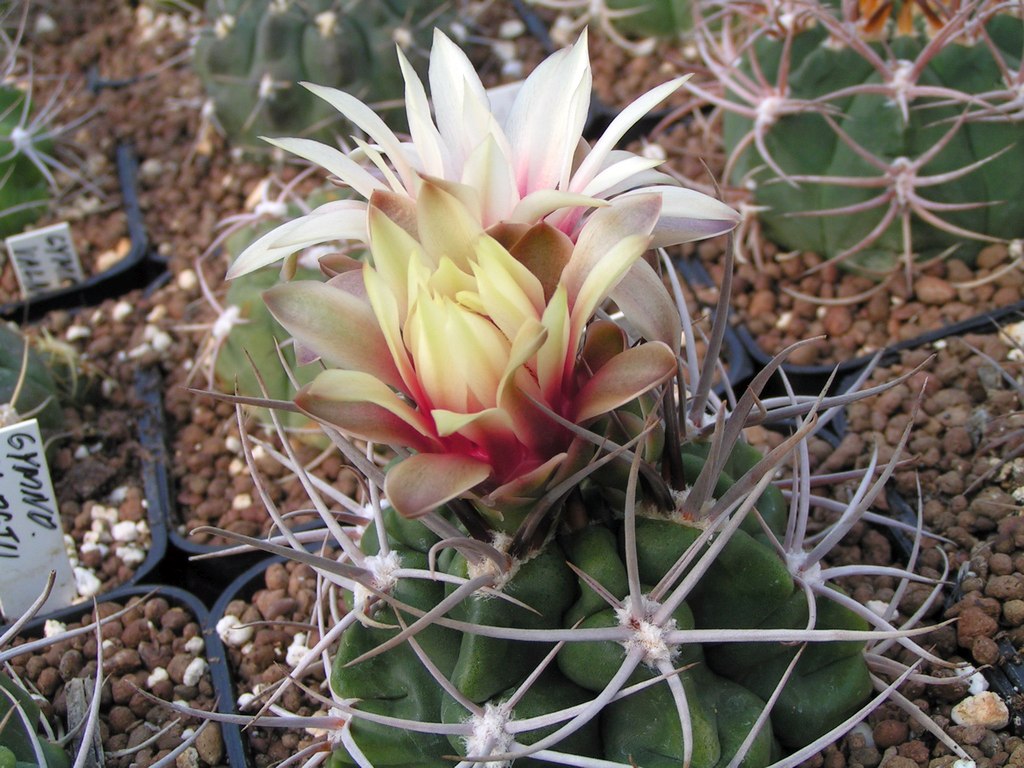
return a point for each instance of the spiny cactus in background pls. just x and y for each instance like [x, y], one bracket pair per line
[25, 191]
[27, 134]
[876, 134]
[632, 24]
[244, 337]
[254, 55]
[27, 387]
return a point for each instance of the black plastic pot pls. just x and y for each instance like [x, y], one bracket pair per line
[244, 586]
[208, 577]
[155, 516]
[809, 379]
[133, 271]
[213, 651]
[980, 323]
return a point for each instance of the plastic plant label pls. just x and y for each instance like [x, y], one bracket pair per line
[31, 534]
[45, 259]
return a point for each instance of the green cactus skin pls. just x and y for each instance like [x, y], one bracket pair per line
[652, 18]
[805, 144]
[39, 386]
[25, 192]
[255, 53]
[16, 742]
[748, 586]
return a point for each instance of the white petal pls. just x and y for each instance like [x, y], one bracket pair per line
[337, 220]
[547, 119]
[536, 205]
[488, 171]
[687, 215]
[619, 172]
[460, 101]
[625, 120]
[425, 136]
[365, 118]
[370, 153]
[333, 160]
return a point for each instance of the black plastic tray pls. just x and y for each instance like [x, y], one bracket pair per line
[213, 652]
[133, 271]
[244, 586]
[206, 578]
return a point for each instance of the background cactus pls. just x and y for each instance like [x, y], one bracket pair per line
[875, 134]
[244, 337]
[632, 24]
[25, 191]
[20, 743]
[27, 387]
[254, 54]
[651, 18]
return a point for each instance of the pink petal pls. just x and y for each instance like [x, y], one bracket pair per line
[338, 325]
[423, 482]
[647, 305]
[364, 407]
[625, 378]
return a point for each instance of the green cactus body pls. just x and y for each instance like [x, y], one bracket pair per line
[17, 742]
[726, 685]
[973, 123]
[254, 55]
[39, 392]
[651, 18]
[25, 192]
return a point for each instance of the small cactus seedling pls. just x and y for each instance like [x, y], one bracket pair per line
[876, 134]
[26, 737]
[255, 53]
[21, 745]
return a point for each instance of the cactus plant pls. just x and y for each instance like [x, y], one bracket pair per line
[623, 620]
[27, 387]
[583, 581]
[244, 338]
[25, 192]
[27, 138]
[875, 134]
[254, 54]
[20, 744]
[574, 558]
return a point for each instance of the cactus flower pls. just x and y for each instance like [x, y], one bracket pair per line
[523, 167]
[451, 339]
